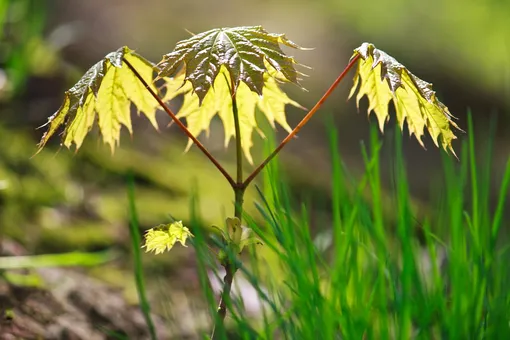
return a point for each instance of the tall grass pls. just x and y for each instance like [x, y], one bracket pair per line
[377, 279]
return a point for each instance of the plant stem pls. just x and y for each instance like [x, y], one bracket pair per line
[239, 189]
[240, 186]
[302, 122]
[239, 150]
[181, 125]
[225, 295]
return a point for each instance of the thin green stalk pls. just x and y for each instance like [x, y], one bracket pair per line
[498, 214]
[239, 149]
[239, 189]
[374, 180]
[203, 255]
[137, 258]
[474, 177]
[404, 233]
[337, 190]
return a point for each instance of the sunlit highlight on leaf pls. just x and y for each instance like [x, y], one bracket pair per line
[243, 51]
[383, 79]
[218, 101]
[105, 92]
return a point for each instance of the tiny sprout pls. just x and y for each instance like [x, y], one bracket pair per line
[163, 237]
[248, 237]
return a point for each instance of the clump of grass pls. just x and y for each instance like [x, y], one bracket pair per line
[376, 280]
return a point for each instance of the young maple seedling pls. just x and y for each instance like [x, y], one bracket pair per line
[231, 72]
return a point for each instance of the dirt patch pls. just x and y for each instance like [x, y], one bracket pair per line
[69, 305]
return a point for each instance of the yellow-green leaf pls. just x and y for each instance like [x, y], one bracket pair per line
[218, 101]
[383, 79]
[243, 51]
[106, 91]
[163, 237]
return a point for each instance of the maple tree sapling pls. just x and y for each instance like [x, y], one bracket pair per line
[232, 72]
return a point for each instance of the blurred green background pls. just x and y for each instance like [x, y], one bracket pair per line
[64, 201]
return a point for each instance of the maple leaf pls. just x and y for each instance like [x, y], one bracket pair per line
[163, 237]
[383, 79]
[106, 91]
[244, 51]
[219, 101]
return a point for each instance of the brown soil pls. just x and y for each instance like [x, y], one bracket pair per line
[70, 305]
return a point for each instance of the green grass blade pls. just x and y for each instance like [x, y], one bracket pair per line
[78, 259]
[503, 195]
[136, 242]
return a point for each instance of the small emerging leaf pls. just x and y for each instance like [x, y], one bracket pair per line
[239, 236]
[234, 229]
[382, 78]
[248, 237]
[106, 91]
[163, 237]
[243, 51]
